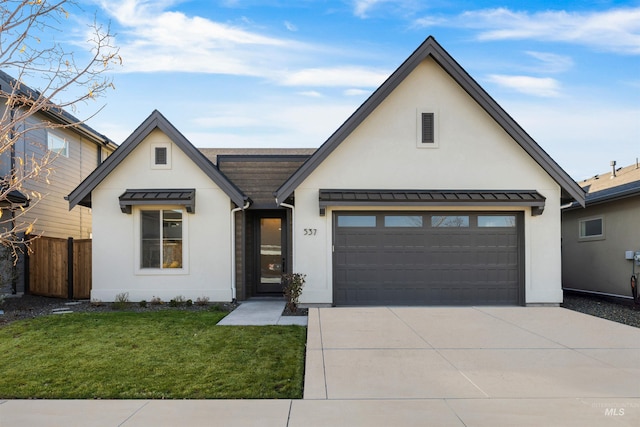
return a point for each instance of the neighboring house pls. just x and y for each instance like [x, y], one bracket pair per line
[595, 239]
[429, 193]
[76, 151]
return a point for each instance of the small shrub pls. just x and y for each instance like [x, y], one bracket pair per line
[293, 284]
[177, 301]
[143, 303]
[202, 301]
[189, 303]
[156, 301]
[96, 303]
[121, 301]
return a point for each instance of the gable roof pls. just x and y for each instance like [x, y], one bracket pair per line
[607, 187]
[58, 115]
[430, 48]
[82, 194]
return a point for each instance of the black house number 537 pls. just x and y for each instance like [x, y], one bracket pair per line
[310, 231]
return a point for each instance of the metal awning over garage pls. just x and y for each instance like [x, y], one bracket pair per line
[493, 198]
[174, 196]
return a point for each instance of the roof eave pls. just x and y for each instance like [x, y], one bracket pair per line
[81, 195]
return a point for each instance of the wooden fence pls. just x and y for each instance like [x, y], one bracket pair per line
[60, 268]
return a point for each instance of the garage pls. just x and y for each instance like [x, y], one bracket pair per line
[428, 258]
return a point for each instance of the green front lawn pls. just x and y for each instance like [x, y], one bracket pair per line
[168, 354]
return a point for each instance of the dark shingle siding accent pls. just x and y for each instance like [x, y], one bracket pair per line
[259, 176]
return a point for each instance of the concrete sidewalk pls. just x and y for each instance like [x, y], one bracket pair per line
[261, 312]
[413, 367]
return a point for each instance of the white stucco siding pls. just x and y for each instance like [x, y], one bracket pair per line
[207, 233]
[473, 152]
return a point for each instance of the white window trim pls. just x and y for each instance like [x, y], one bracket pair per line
[51, 136]
[582, 238]
[152, 155]
[137, 243]
[436, 128]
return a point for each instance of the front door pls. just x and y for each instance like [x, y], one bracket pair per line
[271, 235]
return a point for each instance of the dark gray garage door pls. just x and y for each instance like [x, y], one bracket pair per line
[435, 258]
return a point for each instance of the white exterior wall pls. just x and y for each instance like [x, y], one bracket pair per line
[207, 232]
[474, 152]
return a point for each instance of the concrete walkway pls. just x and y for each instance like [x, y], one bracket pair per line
[415, 367]
[261, 312]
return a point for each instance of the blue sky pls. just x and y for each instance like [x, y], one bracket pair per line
[275, 73]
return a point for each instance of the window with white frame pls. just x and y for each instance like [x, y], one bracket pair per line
[57, 144]
[591, 228]
[161, 239]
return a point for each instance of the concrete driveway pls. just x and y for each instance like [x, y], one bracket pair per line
[470, 366]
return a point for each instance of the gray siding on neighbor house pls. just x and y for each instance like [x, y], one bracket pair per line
[51, 213]
[599, 264]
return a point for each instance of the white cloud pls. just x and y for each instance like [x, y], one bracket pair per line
[154, 39]
[356, 92]
[566, 131]
[617, 30]
[336, 76]
[537, 86]
[311, 94]
[288, 126]
[362, 7]
[289, 26]
[551, 62]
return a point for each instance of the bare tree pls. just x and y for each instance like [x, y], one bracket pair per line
[30, 52]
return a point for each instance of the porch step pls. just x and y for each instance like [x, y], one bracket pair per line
[63, 310]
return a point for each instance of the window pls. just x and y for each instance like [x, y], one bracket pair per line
[450, 221]
[57, 145]
[497, 221]
[356, 221]
[592, 228]
[161, 239]
[403, 221]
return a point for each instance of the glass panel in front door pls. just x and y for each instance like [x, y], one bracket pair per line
[270, 250]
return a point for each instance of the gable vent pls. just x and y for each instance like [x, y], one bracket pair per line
[161, 155]
[428, 130]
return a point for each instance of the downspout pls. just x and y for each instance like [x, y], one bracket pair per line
[233, 247]
[293, 223]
